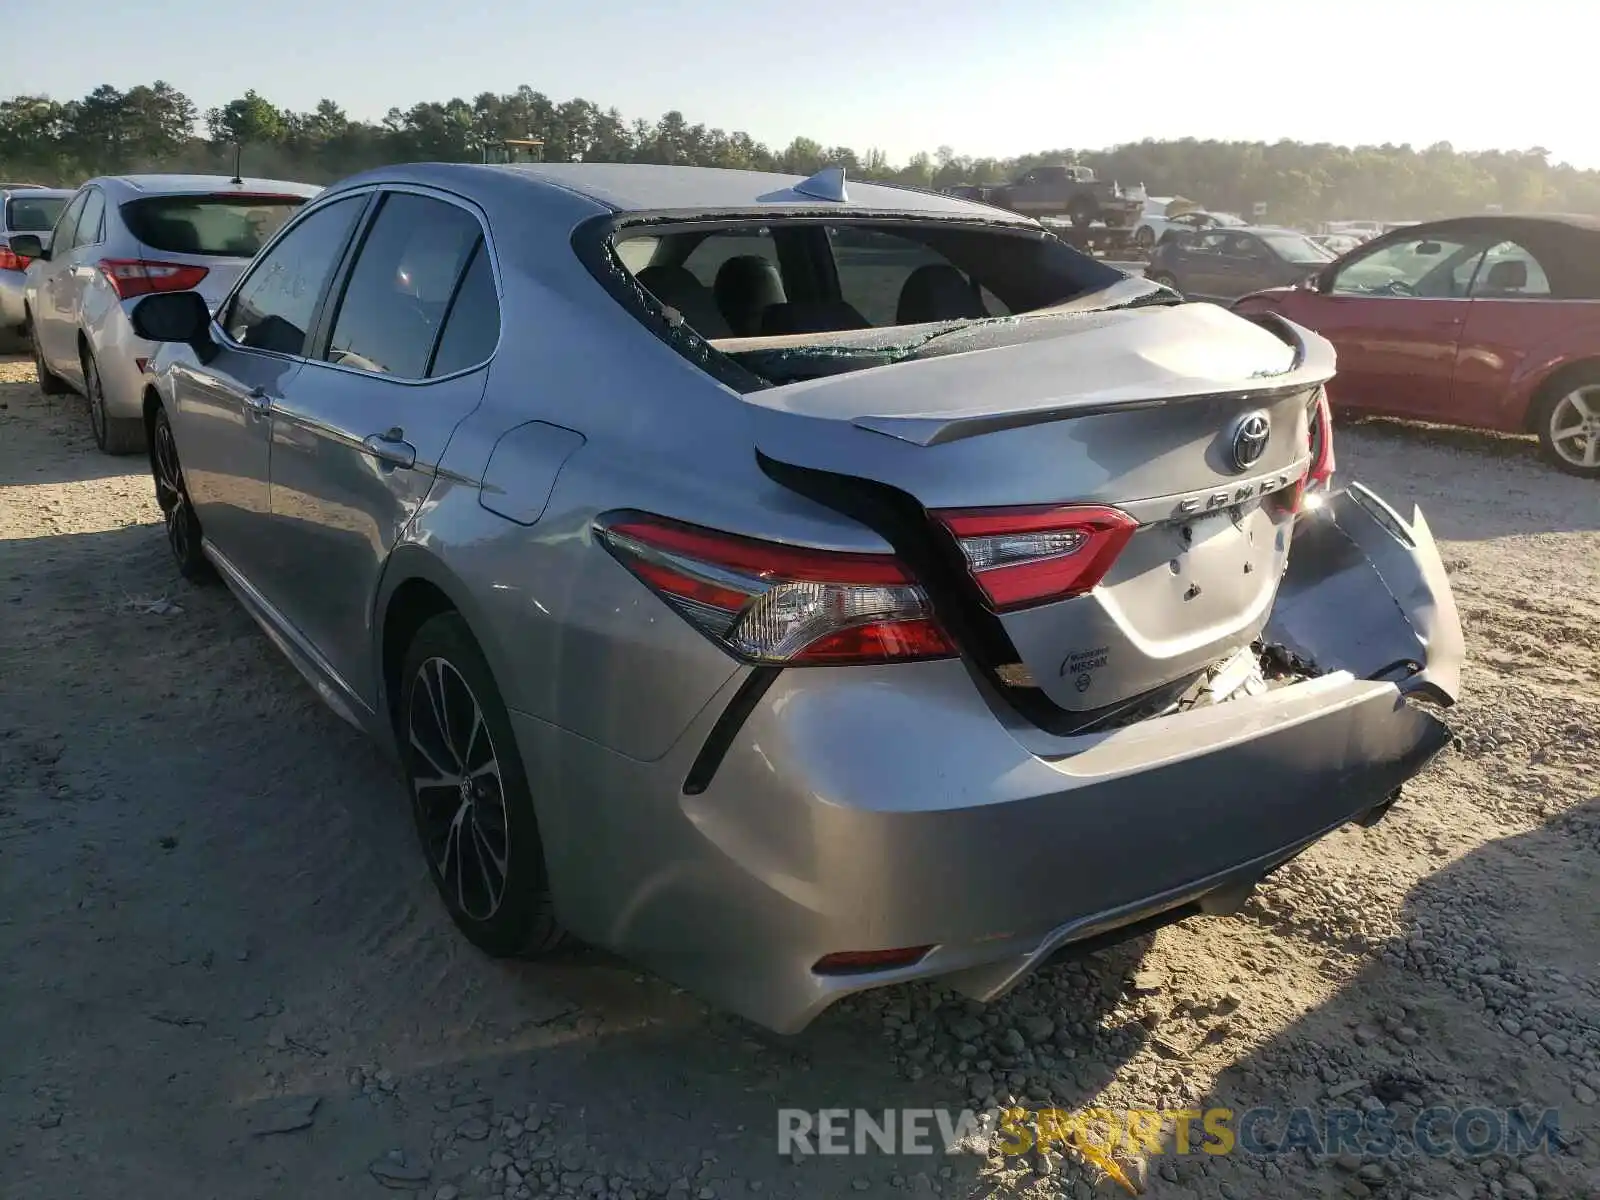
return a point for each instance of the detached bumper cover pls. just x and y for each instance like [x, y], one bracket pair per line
[1366, 592]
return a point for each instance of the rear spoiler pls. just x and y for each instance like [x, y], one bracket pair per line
[1312, 366]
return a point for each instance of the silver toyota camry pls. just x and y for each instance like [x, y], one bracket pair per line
[796, 585]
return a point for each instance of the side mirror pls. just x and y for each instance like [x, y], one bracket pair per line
[172, 317]
[28, 245]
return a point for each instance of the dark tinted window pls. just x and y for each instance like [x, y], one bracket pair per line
[89, 223]
[401, 285]
[29, 214]
[273, 309]
[473, 326]
[224, 226]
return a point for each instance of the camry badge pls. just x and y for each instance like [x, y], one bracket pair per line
[1250, 434]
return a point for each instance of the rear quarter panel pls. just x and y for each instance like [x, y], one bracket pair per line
[1510, 348]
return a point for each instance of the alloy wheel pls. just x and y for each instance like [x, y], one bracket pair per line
[458, 790]
[1575, 427]
[170, 493]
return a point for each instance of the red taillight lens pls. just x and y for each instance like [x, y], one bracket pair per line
[10, 260]
[1321, 473]
[139, 277]
[768, 603]
[1026, 556]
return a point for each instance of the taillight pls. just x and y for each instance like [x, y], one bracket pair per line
[1321, 473]
[768, 603]
[10, 260]
[1026, 556]
[139, 277]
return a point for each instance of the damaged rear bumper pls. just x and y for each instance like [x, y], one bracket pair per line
[879, 808]
[1366, 592]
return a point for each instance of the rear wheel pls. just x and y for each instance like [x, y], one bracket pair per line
[183, 527]
[1567, 419]
[50, 384]
[470, 795]
[114, 435]
[1083, 211]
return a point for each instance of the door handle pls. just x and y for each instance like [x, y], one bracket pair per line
[257, 401]
[391, 448]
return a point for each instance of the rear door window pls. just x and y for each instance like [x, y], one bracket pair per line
[472, 327]
[61, 237]
[214, 226]
[1520, 277]
[404, 278]
[273, 307]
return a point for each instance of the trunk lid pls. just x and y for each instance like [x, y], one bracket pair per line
[1140, 410]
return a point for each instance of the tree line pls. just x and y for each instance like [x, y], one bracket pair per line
[156, 127]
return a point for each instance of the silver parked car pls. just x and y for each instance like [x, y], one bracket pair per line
[797, 586]
[26, 210]
[126, 236]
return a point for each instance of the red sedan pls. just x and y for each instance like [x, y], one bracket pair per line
[1491, 322]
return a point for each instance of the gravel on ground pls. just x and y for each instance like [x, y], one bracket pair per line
[223, 972]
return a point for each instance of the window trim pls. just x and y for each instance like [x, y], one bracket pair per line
[321, 331]
[218, 330]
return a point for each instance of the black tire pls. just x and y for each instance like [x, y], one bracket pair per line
[1165, 280]
[1556, 409]
[50, 384]
[114, 435]
[1083, 211]
[172, 495]
[475, 808]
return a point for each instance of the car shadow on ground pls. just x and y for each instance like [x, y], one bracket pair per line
[214, 905]
[1499, 946]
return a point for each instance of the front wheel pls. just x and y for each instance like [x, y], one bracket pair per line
[1567, 419]
[172, 495]
[470, 795]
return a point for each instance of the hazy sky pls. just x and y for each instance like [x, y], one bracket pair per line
[1002, 77]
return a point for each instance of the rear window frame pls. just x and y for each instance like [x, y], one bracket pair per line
[594, 240]
[127, 211]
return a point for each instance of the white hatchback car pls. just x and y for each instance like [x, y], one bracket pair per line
[121, 238]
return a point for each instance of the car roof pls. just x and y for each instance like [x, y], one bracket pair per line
[1506, 220]
[651, 188]
[181, 185]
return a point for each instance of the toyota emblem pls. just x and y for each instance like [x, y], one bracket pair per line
[1250, 436]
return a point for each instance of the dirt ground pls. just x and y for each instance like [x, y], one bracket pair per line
[223, 973]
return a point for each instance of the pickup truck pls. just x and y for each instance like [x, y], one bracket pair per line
[1069, 191]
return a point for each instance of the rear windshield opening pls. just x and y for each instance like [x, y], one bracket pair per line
[33, 214]
[791, 299]
[219, 226]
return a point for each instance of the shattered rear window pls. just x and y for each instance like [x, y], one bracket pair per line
[797, 298]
